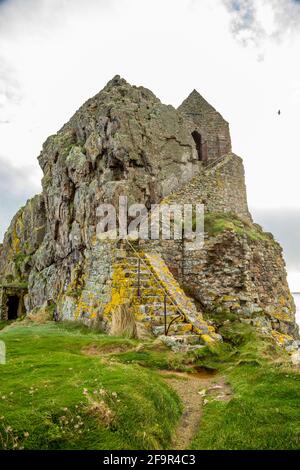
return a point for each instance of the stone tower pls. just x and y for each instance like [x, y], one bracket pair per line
[211, 134]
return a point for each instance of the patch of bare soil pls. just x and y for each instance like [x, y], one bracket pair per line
[96, 350]
[195, 391]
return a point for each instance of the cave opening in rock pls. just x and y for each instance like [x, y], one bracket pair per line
[12, 307]
[198, 141]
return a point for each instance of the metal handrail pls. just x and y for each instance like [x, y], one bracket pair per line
[166, 294]
[181, 315]
[213, 163]
[152, 274]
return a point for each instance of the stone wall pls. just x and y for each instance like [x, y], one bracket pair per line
[90, 288]
[241, 273]
[79, 285]
[209, 123]
[220, 188]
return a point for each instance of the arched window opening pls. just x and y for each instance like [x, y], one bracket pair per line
[198, 141]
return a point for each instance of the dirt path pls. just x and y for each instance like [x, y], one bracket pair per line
[195, 390]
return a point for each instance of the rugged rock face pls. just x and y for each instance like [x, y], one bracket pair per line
[124, 141]
[121, 142]
[21, 241]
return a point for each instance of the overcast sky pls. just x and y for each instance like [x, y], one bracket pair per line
[242, 55]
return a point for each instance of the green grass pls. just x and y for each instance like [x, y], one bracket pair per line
[153, 357]
[216, 223]
[55, 396]
[264, 412]
[2, 324]
[67, 387]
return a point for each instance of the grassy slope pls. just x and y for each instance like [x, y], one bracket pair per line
[2, 324]
[216, 223]
[44, 404]
[264, 412]
[47, 371]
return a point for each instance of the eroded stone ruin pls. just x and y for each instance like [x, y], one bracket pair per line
[124, 141]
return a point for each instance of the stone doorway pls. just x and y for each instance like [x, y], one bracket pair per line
[13, 303]
[201, 146]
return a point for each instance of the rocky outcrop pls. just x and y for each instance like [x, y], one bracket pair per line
[21, 241]
[124, 141]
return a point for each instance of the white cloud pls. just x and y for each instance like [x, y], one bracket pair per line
[245, 25]
[255, 21]
[17, 184]
[294, 282]
[10, 91]
[286, 16]
[285, 226]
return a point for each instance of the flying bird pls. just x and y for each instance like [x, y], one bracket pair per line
[279, 112]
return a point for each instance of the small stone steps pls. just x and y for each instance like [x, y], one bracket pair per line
[147, 283]
[185, 304]
[157, 309]
[181, 343]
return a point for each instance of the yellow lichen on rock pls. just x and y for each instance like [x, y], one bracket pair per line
[120, 291]
[281, 338]
[282, 316]
[207, 339]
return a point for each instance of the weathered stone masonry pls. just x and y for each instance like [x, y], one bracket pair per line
[237, 274]
[220, 188]
[211, 126]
